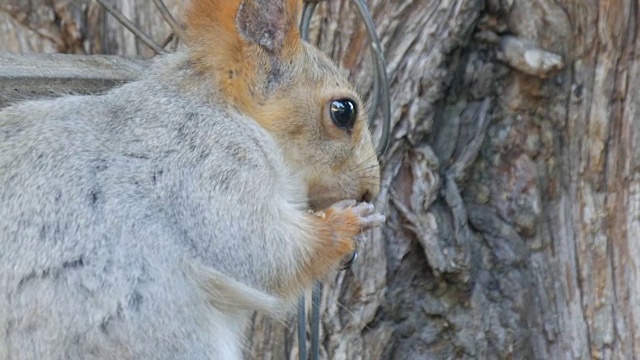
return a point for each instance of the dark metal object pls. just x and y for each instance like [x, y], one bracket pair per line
[307, 13]
[316, 298]
[302, 329]
[352, 259]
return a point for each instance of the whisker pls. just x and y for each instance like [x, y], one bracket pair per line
[358, 171]
[357, 167]
[369, 181]
[365, 161]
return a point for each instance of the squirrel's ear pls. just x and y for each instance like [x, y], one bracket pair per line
[271, 24]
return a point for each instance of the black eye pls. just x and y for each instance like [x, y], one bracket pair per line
[343, 113]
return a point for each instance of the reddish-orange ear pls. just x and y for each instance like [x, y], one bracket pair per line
[271, 24]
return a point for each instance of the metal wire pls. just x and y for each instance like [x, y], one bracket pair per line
[166, 14]
[316, 298]
[132, 27]
[302, 329]
[168, 40]
[381, 80]
[307, 13]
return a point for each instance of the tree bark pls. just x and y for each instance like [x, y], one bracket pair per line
[511, 187]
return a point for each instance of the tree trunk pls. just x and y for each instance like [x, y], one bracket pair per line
[511, 187]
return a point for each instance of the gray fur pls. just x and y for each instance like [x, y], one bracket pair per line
[138, 224]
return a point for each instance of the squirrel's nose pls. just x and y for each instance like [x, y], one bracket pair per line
[369, 192]
[367, 197]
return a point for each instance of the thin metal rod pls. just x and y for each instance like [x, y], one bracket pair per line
[375, 98]
[166, 14]
[132, 27]
[316, 298]
[381, 80]
[385, 136]
[167, 40]
[302, 329]
[307, 13]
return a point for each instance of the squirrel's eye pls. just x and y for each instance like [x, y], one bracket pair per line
[343, 113]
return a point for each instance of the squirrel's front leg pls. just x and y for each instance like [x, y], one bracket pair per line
[335, 230]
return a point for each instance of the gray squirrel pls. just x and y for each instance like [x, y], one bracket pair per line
[151, 221]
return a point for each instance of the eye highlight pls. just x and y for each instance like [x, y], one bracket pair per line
[343, 113]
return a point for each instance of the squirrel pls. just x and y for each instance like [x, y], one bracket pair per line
[151, 221]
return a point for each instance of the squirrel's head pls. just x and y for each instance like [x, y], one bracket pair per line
[253, 51]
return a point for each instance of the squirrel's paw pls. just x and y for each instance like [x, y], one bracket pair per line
[346, 219]
[337, 229]
[350, 212]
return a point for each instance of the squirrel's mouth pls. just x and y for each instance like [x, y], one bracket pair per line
[322, 203]
[322, 197]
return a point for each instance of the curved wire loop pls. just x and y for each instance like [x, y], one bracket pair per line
[380, 98]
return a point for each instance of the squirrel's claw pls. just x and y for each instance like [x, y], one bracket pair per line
[368, 218]
[364, 212]
[347, 264]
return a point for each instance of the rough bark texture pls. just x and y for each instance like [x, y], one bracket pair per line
[512, 185]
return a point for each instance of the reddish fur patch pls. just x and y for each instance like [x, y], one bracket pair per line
[217, 49]
[203, 16]
[335, 239]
